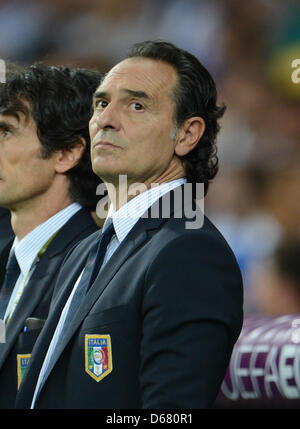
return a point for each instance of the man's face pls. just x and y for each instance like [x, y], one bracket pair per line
[24, 175]
[132, 128]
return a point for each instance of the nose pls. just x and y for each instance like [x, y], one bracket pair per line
[108, 118]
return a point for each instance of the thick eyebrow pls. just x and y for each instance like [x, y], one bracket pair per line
[132, 93]
[136, 94]
[99, 94]
[6, 125]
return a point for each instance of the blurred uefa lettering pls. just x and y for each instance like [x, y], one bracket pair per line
[2, 71]
[296, 332]
[265, 363]
[296, 72]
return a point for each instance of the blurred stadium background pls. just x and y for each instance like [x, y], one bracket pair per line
[249, 48]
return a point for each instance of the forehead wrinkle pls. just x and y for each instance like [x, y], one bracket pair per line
[144, 80]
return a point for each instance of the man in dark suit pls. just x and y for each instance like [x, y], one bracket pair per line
[47, 183]
[147, 311]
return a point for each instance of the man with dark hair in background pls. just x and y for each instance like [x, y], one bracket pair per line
[47, 183]
[6, 232]
[277, 284]
[149, 308]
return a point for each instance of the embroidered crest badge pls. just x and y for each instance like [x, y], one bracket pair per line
[98, 358]
[22, 363]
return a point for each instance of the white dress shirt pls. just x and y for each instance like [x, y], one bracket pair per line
[124, 220]
[28, 248]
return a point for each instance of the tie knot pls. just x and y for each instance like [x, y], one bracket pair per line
[108, 230]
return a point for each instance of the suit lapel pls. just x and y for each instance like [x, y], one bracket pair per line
[6, 232]
[32, 295]
[4, 259]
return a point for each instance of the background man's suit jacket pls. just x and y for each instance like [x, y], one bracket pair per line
[6, 232]
[35, 301]
[171, 301]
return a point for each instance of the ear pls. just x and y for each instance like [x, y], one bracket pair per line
[68, 158]
[189, 134]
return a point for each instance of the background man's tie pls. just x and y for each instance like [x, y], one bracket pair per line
[11, 276]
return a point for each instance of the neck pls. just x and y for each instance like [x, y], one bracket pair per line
[26, 217]
[126, 189]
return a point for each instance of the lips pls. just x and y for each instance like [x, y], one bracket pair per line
[104, 144]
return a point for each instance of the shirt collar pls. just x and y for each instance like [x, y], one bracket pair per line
[127, 216]
[27, 249]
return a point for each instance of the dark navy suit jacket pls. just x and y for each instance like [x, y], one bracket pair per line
[166, 310]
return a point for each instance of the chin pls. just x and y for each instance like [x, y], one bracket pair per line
[108, 176]
[107, 173]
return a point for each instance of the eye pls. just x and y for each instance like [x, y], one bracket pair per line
[136, 106]
[100, 104]
[4, 133]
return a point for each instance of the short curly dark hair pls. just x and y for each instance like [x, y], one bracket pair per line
[60, 103]
[195, 95]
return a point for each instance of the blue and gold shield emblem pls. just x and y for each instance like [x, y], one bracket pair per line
[22, 363]
[98, 358]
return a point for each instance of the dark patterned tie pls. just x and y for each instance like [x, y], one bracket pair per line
[92, 268]
[11, 276]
